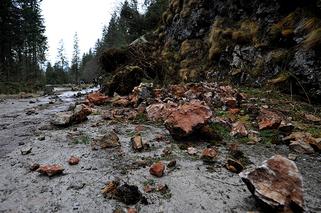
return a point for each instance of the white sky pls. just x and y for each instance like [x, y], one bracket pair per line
[65, 17]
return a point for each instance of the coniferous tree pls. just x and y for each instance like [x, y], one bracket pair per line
[23, 44]
[75, 62]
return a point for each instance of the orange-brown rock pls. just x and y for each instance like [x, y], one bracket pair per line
[73, 160]
[304, 137]
[230, 102]
[160, 111]
[132, 210]
[312, 118]
[209, 154]
[121, 101]
[157, 169]
[178, 90]
[97, 98]
[109, 140]
[50, 170]
[234, 111]
[187, 119]
[80, 113]
[268, 120]
[277, 183]
[234, 166]
[239, 129]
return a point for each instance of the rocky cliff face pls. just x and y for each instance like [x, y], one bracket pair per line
[251, 42]
[258, 42]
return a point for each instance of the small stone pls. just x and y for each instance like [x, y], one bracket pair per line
[50, 170]
[166, 151]
[301, 147]
[110, 189]
[157, 169]
[142, 163]
[171, 164]
[304, 137]
[109, 140]
[292, 157]
[234, 166]
[132, 210]
[268, 120]
[21, 143]
[73, 160]
[230, 102]
[312, 118]
[148, 188]
[26, 151]
[239, 128]
[161, 188]
[42, 138]
[137, 142]
[191, 151]
[209, 154]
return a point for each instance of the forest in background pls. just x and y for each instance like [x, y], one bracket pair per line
[23, 64]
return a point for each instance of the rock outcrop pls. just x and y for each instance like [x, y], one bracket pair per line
[254, 42]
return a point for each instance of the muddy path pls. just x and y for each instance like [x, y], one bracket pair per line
[193, 185]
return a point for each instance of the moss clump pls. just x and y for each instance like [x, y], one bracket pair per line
[270, 136]
[221, 130]
[310, 24]
[186, 63]
[167, 17]
[313, 39]
[189, 47]
[175, 5]
[215, 41]
[187, 74]
[258, 68]
[246, 33]
[280, 78]
[278, 56]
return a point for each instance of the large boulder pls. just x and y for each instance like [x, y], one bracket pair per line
[124, 81]
[277, 183]
[77, 115]
[187, 119]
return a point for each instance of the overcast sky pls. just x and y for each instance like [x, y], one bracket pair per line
[65, 17]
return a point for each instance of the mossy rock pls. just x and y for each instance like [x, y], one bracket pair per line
[112, 58]
[125, 79]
